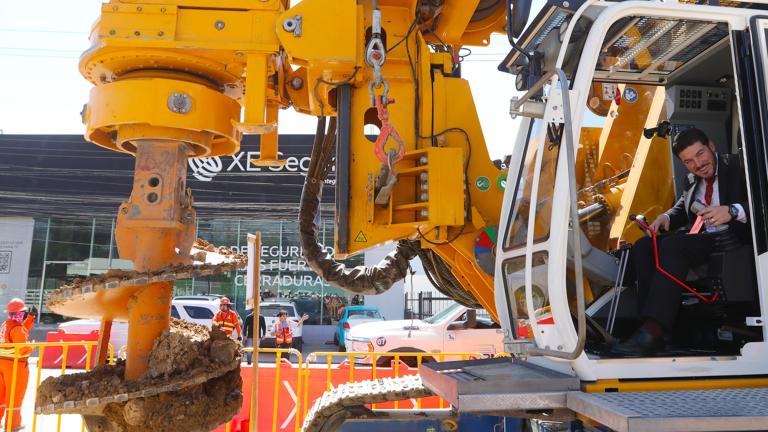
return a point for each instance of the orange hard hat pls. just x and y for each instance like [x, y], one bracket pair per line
[16, 305]
[224, 301]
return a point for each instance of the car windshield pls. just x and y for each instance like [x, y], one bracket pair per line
[360, 314]
[443, 314]
[273, 309]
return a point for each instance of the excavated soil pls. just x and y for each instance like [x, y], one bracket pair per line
[184, 351]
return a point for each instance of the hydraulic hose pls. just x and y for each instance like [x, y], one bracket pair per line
[361, 279]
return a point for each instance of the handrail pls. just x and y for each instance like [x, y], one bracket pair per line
[532, 91]
[575, 239]
[88, 345]
[303, 372]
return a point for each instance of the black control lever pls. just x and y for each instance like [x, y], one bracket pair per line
[662, 130]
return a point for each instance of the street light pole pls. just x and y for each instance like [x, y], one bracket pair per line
[42, 277]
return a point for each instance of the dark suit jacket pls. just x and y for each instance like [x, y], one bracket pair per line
[732, 188]
[248, 326]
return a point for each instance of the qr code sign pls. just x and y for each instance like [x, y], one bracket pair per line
[5, 261]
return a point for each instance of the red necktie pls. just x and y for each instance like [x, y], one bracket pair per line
[696, 228]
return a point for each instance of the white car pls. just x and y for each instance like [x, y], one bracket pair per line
[197, 309]
[269, 310]
[452, 330]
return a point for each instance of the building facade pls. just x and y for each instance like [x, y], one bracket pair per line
[59, 196]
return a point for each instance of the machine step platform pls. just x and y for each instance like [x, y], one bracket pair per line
[689, 410]
[498, 385]
[505, 386]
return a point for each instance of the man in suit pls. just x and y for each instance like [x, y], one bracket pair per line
[715, 182]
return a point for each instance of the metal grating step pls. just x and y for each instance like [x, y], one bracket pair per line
[497, 385]
[695, 410]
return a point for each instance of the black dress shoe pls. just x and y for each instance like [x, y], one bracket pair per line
[641, 343]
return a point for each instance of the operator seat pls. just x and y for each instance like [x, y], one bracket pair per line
[731, 268]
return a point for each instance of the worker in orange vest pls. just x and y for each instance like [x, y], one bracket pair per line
[15, 330]
[227, 320]
[283, 331]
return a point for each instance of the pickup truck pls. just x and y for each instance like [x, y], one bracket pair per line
[456, 329]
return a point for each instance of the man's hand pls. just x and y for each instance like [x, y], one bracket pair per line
[32, 311]
[239, 338]
[716, 215]
[661, 222]
[304, 318]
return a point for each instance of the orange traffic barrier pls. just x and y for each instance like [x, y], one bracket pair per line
[287, 390]
[77, 354]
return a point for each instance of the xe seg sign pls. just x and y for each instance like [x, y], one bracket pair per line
[205, 169]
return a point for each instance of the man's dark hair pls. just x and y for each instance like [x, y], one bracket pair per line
[687, 138]
[282, 312]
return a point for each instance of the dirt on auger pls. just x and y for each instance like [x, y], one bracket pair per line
[192, 383]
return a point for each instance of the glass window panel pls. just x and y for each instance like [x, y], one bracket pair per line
[655, 43]
[514, 280]
[197, 312]
[518, 229]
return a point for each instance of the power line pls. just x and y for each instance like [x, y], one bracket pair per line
[18, 30]
[38, 56]
[38, 49]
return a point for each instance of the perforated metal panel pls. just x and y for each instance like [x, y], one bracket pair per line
[659, 46]
[710, 410]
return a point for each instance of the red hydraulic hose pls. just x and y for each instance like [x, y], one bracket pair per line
[665, 273]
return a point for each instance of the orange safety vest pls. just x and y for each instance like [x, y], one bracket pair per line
[227, 322]
[283, 334]
[8, 353]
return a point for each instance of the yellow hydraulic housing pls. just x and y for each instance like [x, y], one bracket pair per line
[187, 78]
[621, 172]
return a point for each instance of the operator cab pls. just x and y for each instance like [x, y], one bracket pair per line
[651, 77]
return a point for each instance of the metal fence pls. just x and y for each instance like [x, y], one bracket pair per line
[309, 376]
[425, 305]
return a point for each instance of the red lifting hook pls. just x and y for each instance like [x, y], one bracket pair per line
[387, 131]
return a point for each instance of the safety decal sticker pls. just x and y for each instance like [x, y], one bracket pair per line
[482, 183]
[630, 95]
[610, 91]
[360, 237]
[381, 341]
[501, 182]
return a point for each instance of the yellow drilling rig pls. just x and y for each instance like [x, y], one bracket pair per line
[538, 243]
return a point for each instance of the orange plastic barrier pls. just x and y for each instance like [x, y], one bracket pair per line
[76, 355]
[289, 405]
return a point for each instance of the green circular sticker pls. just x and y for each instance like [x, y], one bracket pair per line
[501, 182]
[482, 183]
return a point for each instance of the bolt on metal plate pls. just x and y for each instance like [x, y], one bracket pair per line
[179, 103]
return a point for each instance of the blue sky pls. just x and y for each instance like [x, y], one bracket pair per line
[41, 90]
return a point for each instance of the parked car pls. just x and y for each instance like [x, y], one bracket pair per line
[455, 329]
[197, 309]
[353, 316]
[269, 310]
